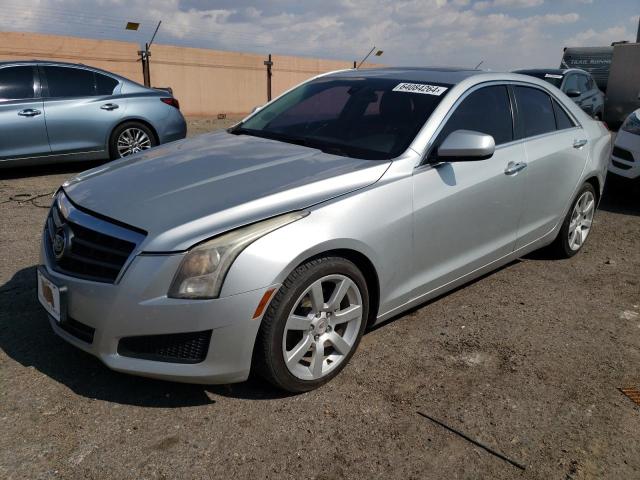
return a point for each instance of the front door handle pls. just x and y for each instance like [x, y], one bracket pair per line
[514, 167]
[29, 112]
[110, 106]
[579, 143]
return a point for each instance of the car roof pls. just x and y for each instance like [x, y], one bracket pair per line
[553, 71]
[415, 74]
[62, 64]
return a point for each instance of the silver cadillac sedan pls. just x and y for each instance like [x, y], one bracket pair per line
[349, 199]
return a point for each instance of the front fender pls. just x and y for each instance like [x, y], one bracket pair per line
[375, 222]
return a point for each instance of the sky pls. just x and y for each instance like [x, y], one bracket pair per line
[503, 34]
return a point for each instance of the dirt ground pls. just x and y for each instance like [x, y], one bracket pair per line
[527, 360]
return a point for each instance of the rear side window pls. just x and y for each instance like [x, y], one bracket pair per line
[486, 110]
[563, 120]
[105, 85]
[16, 83]
[535, 111]
[70, 82]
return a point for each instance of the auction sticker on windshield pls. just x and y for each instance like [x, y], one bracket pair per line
[420, 88]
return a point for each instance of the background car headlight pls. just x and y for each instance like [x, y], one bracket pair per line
[205, 266]
[632, 124]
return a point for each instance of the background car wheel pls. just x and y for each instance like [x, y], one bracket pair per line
[130, 138]
[313, 325]
[577, 224]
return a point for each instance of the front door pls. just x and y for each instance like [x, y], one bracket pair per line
[466, 213]
[22, 127]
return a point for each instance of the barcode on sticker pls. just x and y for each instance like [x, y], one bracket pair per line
[420, 88]
[552, 75]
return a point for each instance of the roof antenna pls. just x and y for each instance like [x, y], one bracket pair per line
[481, 62]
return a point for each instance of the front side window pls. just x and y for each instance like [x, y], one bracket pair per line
[487, 110]
[583, 83]
[16, 83]
[535, 111]
[372, 118]
[571, 83]
[70, 82]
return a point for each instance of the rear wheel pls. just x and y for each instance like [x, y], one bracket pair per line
[577, 224]
[130, 138]
[313, 325]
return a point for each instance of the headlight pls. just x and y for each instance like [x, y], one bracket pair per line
[205, 266]
[632, 124]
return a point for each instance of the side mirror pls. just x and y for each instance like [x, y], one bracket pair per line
[256, 108]
[573, 93]
[466, 145]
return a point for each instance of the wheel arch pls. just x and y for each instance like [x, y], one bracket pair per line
[365, 265]
[594, 181]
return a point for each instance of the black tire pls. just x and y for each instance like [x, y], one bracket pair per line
[268, 358]
[113, 140]
[560, 245]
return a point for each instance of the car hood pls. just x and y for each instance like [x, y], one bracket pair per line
[187, 191]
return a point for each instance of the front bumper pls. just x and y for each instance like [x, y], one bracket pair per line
[137, 305]
[625, 159]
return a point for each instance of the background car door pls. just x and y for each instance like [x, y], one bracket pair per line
[80, 109]
[555, 160]
[466, 213]
[22, 126]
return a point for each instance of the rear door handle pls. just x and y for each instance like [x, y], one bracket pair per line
[109, 106]
[579, 143]
[514, 167]
[29, 112]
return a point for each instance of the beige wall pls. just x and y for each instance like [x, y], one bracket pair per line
[117, 57]
[206, 82]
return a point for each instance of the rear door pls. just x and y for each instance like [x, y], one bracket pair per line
[466, 213]
[80, 108]
[556, 151]
[22, 126]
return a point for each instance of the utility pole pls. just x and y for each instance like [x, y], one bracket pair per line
[144, 58]
[269, 64]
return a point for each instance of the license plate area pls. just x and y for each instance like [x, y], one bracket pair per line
[52, 297]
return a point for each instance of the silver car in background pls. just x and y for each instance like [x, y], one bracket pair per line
[346, 201]
[52, 112]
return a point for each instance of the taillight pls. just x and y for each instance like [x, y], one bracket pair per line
[171, 101]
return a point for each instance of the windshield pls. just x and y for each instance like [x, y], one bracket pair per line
[554, 79]
[369, 118]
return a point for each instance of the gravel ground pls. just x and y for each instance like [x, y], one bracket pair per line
[527, 360]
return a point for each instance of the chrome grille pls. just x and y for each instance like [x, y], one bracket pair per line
[85, 246]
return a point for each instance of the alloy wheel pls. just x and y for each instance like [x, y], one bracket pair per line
[132, 140]
[322, 327]
[581, 220]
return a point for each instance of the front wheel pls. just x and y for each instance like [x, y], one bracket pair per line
[313, 325]
[577, 224]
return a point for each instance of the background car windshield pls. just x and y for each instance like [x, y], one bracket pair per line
[357, 117]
